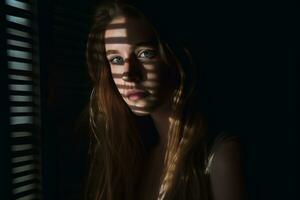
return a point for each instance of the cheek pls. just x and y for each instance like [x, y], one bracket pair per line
[118, 81]
[151, 76]
[116, 71]
[157, 77]
[154, 71]
[120, 85]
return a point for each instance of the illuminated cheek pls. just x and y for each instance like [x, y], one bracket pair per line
[149, 67]
[151, 84]
[117, 70]
[152, 76]
[116, 73]
[119, 83]
[154, 81]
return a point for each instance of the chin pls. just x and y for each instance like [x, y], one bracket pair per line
[141, 107]
[141, 113]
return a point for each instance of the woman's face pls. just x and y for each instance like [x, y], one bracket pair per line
[136, 65]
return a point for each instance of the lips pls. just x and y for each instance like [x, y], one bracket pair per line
[136, 94]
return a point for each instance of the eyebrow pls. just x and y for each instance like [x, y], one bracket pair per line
[111, 52]
[148, 43]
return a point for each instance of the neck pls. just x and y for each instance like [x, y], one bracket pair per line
[161, 121]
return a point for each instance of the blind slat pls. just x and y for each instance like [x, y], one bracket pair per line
[18, 4]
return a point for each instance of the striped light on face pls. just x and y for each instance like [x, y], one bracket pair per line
[135, 63]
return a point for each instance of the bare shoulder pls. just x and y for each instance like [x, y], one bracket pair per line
[227, 170]
[227, 151]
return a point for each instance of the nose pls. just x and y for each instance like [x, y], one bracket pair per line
[132, 69]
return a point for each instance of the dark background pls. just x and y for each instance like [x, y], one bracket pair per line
[249, 55]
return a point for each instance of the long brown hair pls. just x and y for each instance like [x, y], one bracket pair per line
[116, 151]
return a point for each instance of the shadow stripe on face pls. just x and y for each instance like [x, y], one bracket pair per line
[124, 96]
[145, 68]
[135, 108]
[116, 26]
[131, 87]
[124, 40]
[149, 76]
[116, 40]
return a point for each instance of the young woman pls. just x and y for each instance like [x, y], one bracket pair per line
[149, 137]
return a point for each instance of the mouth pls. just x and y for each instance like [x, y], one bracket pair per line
[136, 94]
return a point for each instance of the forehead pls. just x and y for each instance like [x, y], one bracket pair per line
[124, 30]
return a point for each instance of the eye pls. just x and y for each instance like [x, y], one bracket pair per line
[116, 60]
[147, 54]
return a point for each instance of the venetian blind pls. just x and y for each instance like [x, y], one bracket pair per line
[24, 98]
